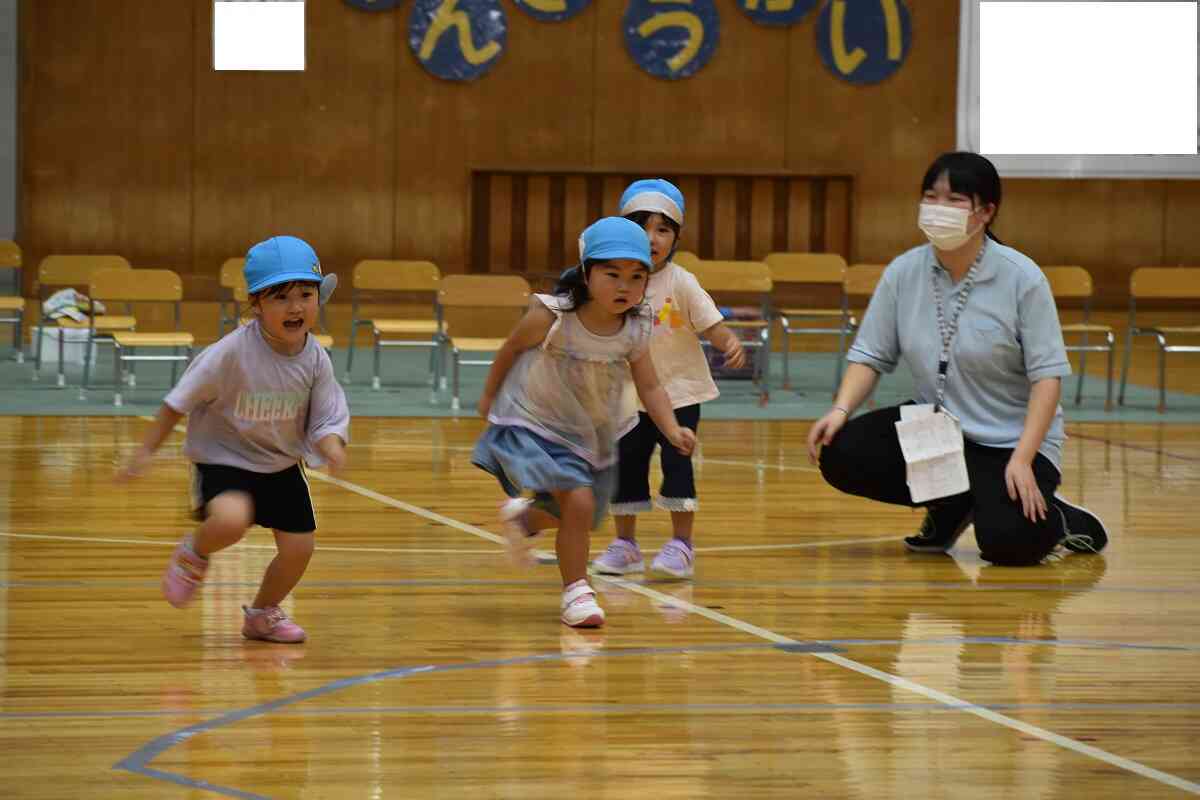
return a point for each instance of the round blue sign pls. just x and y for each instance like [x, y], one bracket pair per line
[671, 38]
[551, 10]
[864, 41]
[375, 5]
[458, 40]
[776, 12]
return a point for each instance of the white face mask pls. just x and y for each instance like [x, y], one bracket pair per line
[945, 226]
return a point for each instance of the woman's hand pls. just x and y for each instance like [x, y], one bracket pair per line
[823, 431]
[1018, 476]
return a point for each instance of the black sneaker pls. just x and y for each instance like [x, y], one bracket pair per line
[940, 529]
[1083, 532]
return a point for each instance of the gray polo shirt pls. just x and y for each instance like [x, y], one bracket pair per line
[1008, 338]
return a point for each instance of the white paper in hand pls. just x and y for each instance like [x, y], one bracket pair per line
[933, 452]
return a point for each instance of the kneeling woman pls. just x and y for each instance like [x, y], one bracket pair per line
[976, 324]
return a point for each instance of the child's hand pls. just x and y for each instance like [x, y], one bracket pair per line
[735, 355]
[135, 466]
[485, 405]
[333, 449]
[684, 440]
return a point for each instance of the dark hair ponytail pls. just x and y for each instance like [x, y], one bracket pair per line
[573, 284]
[970, 174]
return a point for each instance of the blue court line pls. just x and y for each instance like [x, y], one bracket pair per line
[138, 761]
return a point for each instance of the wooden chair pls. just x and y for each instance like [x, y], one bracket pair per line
[13, 308]
[721, 279]
[479, 312]
[141, 286]
[233, 275]
[686, 259]
[76, 271]
[1076, 283]
[398, 276]
[1160, 283]
[240, 295]
[822, 269]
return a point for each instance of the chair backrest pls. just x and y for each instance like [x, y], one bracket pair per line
[10, 254]
[233, 273]
[806, 268]
[72, 270]
[482, 305]
[686, 259]
[861, 279]
[240, 294]
[734, 276]
[1165, 283]
[400, 276]
[136, 285]
[1073, 282]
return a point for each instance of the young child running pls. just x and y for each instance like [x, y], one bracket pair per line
[557, 403]
[260, 403]
[683, 311]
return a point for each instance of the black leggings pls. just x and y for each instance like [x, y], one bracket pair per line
[865, 459]
[678, 490]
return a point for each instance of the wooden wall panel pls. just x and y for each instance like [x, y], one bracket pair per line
[105, 128]
[132, 144]
[304, 153]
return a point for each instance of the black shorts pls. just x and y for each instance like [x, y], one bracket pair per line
[281, 499]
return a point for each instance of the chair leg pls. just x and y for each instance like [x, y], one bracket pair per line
[1125, 365]
[435, 366]
[350, 350]
[19, 338]
[62, 378]
[787, 354]
[1162, 378]
[117, 399]
[1108, 384]
[1082, 372]
[454, 404]
[174, 365]
[37, 350]
[375, 377]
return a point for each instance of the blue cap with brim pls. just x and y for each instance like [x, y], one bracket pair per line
[615, 237]
[281, 259]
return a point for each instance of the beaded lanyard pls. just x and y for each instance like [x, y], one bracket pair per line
[949, 330]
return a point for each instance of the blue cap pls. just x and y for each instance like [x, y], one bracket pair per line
[278, 260]
[615, 237]
[653, 194]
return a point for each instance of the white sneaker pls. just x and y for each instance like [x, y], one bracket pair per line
[579, 606]
[518, 538]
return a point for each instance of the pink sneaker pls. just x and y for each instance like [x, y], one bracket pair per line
[620, 558]
[183, 574]
[517, 535]
[675, 559]
[271, 624]
[579, 606]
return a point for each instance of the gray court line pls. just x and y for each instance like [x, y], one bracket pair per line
[609, 708]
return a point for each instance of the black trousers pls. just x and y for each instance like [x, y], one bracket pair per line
[865, 459]
[633, 464]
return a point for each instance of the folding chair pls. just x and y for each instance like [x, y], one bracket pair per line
[1160, 283]
[75, 271]
[233, 274]
[686, 259]
[13, 307]
[1076, 283]
[730, 279]
[240, 295]
[823, 269]
[141, 286]
[398, 276]
[479, 312]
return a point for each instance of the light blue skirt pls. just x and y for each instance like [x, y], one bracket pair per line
[524, 462]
